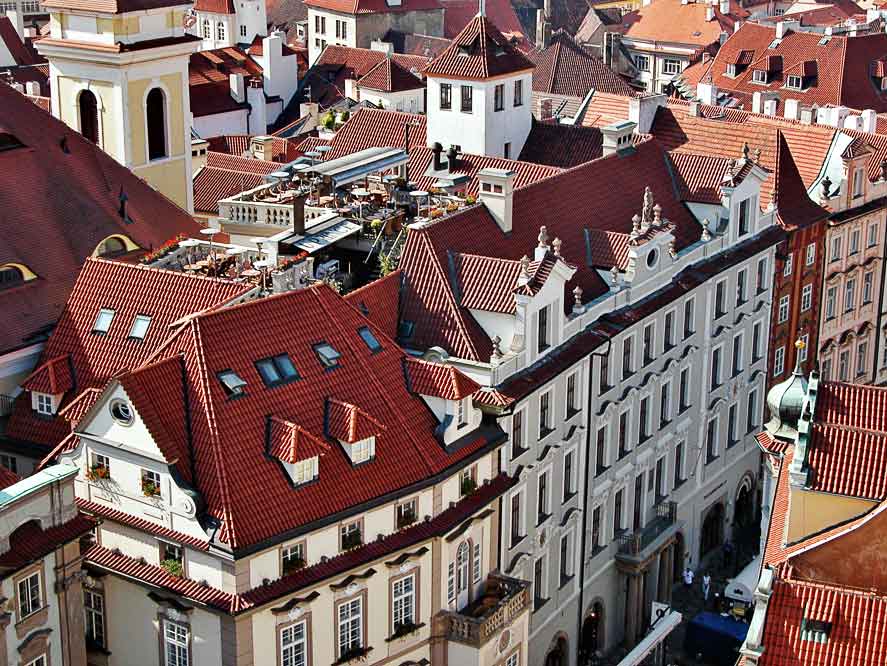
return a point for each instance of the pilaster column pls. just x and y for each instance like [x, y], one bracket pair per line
[633, 615]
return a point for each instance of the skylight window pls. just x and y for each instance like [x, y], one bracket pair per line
[103, 321]
[364, 310]
[367, 336]
[139, 327]
[405, 330]
[232, 383]
[327, 355]
[276, 370]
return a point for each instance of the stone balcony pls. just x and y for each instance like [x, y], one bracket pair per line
[638, 547]
[501, 602]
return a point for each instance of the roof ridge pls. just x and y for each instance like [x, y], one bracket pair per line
[163, 271]
[849, 428]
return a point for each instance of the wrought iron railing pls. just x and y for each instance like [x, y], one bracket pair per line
[634, 543]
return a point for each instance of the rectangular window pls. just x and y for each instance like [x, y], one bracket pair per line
[349, 535]
[720, 297]
[806, 297]
[644, 420]
[516, 515]
[810, 255]
[596, 522]
[338, 30]
[762, 275]
[542, 330]
[294, 645]
[782, 314]
[517, 434]
[711, 441]
[569, 485]
[831, 301]
[756, 340]
[872, 238]
[623, 435]
[672, 66]
[403, 604]
[350, 624]
[637, 518]
[601, 451]
[9, 462]
[544, 414]
[794, 81]
[751, 418]
[572, 408]
[678, 464]
[94, 615]
[476, 566]
[323, 24]
[779, 361]
[861, 353]
[176, 642]
[854, 242]
[539, 592]
[867, 286]
[45, 404]
[741, 280]
[649, 337]
[150, 483]
[669, 330]
[836, 248]
[344, 30]
[802, 352]
[731, 426]
[316, 24]
[30, 598]
[171, 552]
[850, 295]
[617, 512]
[327, 355]
[789, 263]
[446, 96]
[685, 389]
[566, 559]
[406, 513]
[715, 367]
[737, 354]
[103, 321]
[101, 466]
[518, 93]
[743, 217]
[499, 97]
[688, 318]
[844, 366]
[664, 404]
[276, 370]
[139, 327]
[369, 339]
[542, 509]
[292, 558]
[604, 372]
[642, 62]
[467, 96]
[660, 478]
[759, 76]
[858, 177]
[506, 151]
[626, 358]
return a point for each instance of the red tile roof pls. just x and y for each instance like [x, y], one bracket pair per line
[130, 290]
[228, 436]
[379, 301]
[227, 175]
[563, 146]
[484, 283]
[78, 188]
[375, 6]
[349, 423]
[215, 6]
[111, 6]
[282, 150]
[436, 380]
[843, 66]
[566, 68]
[605, 108]
[678, 22]
[8, 477]
[459, 13]
[291, 443]
[699, 176]
[30, 542]
[14, 44]
[852, 406]
[848, 461]
[107, 513]
[428, 299]
[53, 376]
[390, 76]
[480, 51]
[794, 208]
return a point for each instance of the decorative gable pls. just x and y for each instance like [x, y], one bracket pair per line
[354, 428]
[295, 448]
[48, 383]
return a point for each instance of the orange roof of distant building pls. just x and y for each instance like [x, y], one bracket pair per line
[390, 76]
[678, 22]
[375, 6]
[224, 176]
[566, 68]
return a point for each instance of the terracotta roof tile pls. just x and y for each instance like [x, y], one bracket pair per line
[566, 68]
[375, 6]
[215, 6]
[291, 443]
[379, 301]
[238, 145]
[349, 423]
[8, 477]
[794, 208]
[390, 76]
[29, 542]
[227, 175]
[678, 22]
[484, 283]
[437, 380]
[563, 146]
[848, 461]
[852, 406]
[480, 51]
[459, 13]
[112, 6]
[106, 512]
[53, 376]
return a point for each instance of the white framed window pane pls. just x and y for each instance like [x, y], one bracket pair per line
[175, 637]
[293, 645]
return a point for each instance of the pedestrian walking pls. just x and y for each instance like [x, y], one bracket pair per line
[706, 586]
[688, 577]
[728, 556]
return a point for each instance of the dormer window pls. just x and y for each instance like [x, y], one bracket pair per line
[795, 82]
[277, 370]
[232, 383]
[759, 76]
[542, 331]
[462, 412]
[405, 329]
[464, 50]
[44, 404]
[139, 327]
[103, 321]
[363, 450]
[731, 71]
[327, 355]
[858, 182]
[304, 471]
[369, 339]
[815, 631]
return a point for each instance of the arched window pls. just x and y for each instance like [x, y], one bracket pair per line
[111, 247]
[156, 111]
[220, 31]
[10, 276]
[89, 116]
[207, 29]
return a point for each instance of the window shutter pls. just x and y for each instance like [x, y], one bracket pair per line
[477, 562]
[451, 584]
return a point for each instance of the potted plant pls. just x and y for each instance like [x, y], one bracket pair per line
[436, 213]
[352, 540]
[150, 489]
[407, 517]
[292, 564]
[470, 200]
[97, 472]
[468, 485]
[173, 568]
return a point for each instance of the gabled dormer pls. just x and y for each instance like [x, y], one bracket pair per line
[48, 384]
[295, 448]
[740, 192]
[448, 393]
[355, 429]
[855, 179]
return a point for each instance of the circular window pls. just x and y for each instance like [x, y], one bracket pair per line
[652, 258]
[121, 412]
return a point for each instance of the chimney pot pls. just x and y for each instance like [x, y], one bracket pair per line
[495, 191]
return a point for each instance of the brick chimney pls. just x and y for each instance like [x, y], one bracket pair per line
[496, 188]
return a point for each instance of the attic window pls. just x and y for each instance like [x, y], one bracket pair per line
[327, 355]
[103, 321]
[139, 327]
[500, 50]
[795, 82]
[10, 276]
[731, 70]
[367, 336]
[232, 383]
[405, 330]
[815, 631]
[9, 142]
[276, 370]
[759, 76]
[364, 310]
[464, 50]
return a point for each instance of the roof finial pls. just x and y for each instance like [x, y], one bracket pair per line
[577, 298]
[481, 7]
[543, 236]
[758, 155]
[556, 246]
[525, 267]
[706, 234]
[497, 352]
[800, 345]
[745, 150]
[614, 278]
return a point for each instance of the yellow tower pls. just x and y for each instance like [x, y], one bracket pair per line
[119, 75]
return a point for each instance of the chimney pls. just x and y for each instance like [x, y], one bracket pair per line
[351, 89]
[784, 27]
[707, 93]
[238, 87]
[853, 123]
[199, 147]
[869, 121]
[452, 154]
[694, 110]
[770, 107]
[760, 99]
[642, 110]
[385, 47]
[806, 116]
[32, 88]
[496, 193]
[725, 7]
[312, 110]
[274, 71]
[262, 147]
[792, 109]
[617, 136]
[436, 150]
[709, 13]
